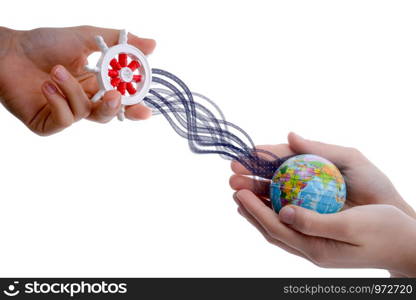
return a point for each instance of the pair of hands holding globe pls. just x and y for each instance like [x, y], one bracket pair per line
[43, 83]
[376, 228]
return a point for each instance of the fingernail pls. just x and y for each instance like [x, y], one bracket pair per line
[287, 215]
[61, 74]
[50, 88]
[113, 103]
[236, 198]
[296, 135]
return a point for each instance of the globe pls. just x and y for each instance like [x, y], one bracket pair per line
[309, 181]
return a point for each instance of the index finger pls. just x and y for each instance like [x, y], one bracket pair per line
[111, 37]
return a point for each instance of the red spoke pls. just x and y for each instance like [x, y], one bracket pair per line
[122, 59]
[137, 78]
[115, 82]
[134, 64]
[112, 73]
[131, 89]
[122, 87]
[114, 64]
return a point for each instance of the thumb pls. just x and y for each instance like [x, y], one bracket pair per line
[340, 156]
[333, 226]
[111, 36]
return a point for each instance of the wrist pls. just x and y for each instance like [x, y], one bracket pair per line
[407, 267]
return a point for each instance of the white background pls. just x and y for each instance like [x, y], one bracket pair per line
[130, 199]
